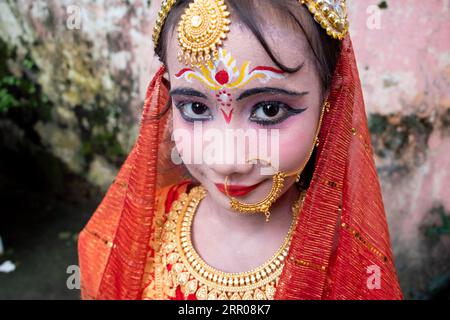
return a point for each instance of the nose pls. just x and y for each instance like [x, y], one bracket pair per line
[237, 169]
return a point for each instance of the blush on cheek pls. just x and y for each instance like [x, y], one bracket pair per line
[296, 142]
[291, 157]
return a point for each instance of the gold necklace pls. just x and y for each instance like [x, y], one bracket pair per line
[194, 276]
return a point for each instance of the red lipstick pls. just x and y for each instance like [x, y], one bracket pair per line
[236, 190]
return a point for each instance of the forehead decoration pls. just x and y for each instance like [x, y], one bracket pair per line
[224, 73]
[201, 30]
[205, 23]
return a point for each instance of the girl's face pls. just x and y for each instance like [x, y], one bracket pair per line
[245, 97]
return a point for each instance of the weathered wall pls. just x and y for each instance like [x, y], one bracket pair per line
[92, 67]
[405, 72]
[91, 75]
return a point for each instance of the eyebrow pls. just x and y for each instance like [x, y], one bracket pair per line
[243, 95]
[270, 90]
[187, 92]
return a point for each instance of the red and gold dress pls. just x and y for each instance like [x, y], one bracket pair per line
[339, 247]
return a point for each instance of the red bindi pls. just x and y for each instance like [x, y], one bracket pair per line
[222, 77]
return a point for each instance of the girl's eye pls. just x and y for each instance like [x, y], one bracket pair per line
[272, 112]
[194, 111]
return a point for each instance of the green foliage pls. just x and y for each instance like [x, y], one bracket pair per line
[98, 137]
[20, 90]
[23, 101]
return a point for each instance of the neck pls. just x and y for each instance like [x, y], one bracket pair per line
[237, 242]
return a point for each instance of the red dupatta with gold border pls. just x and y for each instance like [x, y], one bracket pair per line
[339, 250]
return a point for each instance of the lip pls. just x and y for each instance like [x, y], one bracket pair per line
[237, 190]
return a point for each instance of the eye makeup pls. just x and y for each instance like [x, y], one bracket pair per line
[264, 113]
[194, 111]
[268, 113]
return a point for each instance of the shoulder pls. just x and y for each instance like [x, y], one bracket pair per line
[167, 195]
[96, 239]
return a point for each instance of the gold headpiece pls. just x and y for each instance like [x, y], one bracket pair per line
[204, 25]
[162, 15]
[331, 15]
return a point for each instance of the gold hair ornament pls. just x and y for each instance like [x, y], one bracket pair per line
[278, 178]
[331, 15]
[166, 6]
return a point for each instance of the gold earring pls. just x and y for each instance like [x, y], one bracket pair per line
[316, 142]
[277, 181]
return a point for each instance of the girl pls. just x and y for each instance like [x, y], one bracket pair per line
[299, 217]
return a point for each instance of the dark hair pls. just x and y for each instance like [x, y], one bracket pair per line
[325, 50]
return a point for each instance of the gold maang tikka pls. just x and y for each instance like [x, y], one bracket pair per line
[201, 30]
[278, 179]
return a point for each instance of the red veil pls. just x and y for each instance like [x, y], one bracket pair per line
[340, 248]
